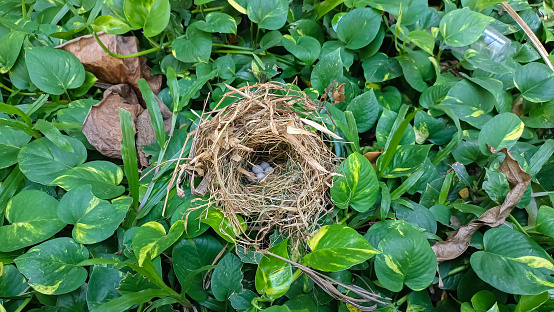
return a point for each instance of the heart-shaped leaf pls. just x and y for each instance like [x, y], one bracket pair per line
[502, 131]
[54, 71]
[57, 260]
[463, 27]
[268, 14]
[406, 257]
[513, 263]
[150, 15]
[535, 81]
[274, 276]
[358, 27]
[305, 48]
[42, 161]
[29, 225]
[150, 239]
[358, 187]
[197, 48]
[226, 280]
[103, 176]
[342, 244]
[217, 22]
[94, 219]
[11, 142]
[10, 49]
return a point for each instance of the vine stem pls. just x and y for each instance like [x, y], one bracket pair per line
[12, 90]
[151, 50]
[517, 224]
[198, 10]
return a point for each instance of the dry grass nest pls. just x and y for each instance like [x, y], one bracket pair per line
[267, 123]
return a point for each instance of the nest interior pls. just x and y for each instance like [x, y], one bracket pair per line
[263, 125]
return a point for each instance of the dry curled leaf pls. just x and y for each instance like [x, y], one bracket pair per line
[459, 240]
[109, 69]
[102, 126]
[103, 129]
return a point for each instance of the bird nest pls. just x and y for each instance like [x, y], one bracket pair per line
[270, 125]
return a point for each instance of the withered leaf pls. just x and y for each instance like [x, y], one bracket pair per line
[102, 126]
[459, 240]
[109, 69]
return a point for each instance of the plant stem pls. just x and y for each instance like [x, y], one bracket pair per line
[12, 90]
[401, 301]
[440, 52]
[199, 10]
[296, 274]
[155, 49]
[23, 305]
[517, 224]
[457, 270]
[232, 52]
[23, 9]
[231, 47]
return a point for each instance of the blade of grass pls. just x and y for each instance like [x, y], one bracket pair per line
[325, 7]
[385, 200]
[8, 188]
[153, 110]
[53, 134]
[130, 165]
[400, 125]
[407, 184]
[446, 187]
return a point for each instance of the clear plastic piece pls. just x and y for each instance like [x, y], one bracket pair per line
[492, 45]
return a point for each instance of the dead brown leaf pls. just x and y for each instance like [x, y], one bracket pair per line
[372, 157]
[458, 241]
[109, 69]
[103, 129]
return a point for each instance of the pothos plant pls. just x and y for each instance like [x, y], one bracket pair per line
[421, 88]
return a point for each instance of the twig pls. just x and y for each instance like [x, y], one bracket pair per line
[536, 42]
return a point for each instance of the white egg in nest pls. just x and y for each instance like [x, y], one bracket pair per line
[261, 170]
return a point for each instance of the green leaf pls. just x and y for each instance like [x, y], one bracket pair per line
[380, 68]
[531, 302]
[153, 110]
[190, 255]
[540, 116]
[196, 48]
[150, 240]
[463, 27]
[53, 134]
[406, 257]
[337, 247]
[29, 225]
[103, 285]
[151, 15]
[535, 81]
[358, 187]
[384, 128]
[366, 110]
[222, 225]
[469, 103]
[217, 22]
[226, 280]
[406, 160]
[417, 69]
[422, 39]
[268, 14]
[358, 27]
[103, 176]
[513, 263]
[545, 221]
[10, 49]
[190, 212]
[11, 142]
[42, 161]
[502, 131]
[54, 71]
[110, 25]
[57, 260]
[129, 154]
[496, 185]
[274, 276]
[305, 48]
[12, 282]
[126, 301]
[412, 10]
[94, 219]
[326, 71]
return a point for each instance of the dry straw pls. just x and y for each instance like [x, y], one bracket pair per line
[266, 123]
